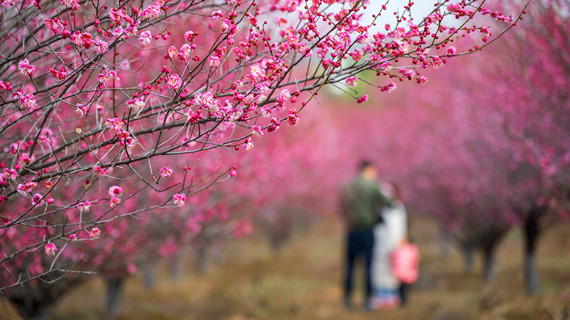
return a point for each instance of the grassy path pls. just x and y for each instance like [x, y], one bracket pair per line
[302, 282]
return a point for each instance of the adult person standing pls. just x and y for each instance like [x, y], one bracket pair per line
[389, 235]
[360, 203]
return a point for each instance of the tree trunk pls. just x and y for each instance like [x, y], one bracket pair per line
[202, 258]
[468, 251]
[35, 312]
[114, 294]
[445, 242]
[175, 266]
[37, 299]
[532, 233]
[530, 274]
[149, 274]
[488, 263]
[276, 243]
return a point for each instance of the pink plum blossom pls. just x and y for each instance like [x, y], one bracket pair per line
[71, 4]
[114, 201]
[257, 71]
[189, 35]
[362, 99]
[84, 206]
[351, 81]
[257, 130]
[115, 124]
[101, 46]
[37, 199]
[136, 104]
[101, 171]
[248, 144]
[10, 174]
[118, 31]
[214, 62]
[60, 74]
[50, 249]
[165, 172]
[54, 25]
[26, 188]
[145, 38]
[179, 199]
[94, 233]
[174, 81]
[24, 159]
[172, 52]
[217, 15]
[115, 191]
[422, 80]
[293, 118]
[25, 67]
[185, 52]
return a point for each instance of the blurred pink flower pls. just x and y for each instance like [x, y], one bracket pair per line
[84, 206]
[351, 81]
[362, 99]
[114, 201]
[165, 172]
[115, 191]
[243, 228]
[189, 35]
[214, 62]
[50, 249]
[174, 81]
[25, 67]
[94, 233]
[451, 51]
[179, 199]
[145, 38]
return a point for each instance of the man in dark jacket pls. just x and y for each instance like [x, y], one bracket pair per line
[361, 202]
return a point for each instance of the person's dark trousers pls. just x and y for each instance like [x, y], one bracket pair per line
[360, 244]
[403, 292]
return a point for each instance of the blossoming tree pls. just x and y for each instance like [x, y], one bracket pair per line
[493, 152]
[105, 103]
[530, 108]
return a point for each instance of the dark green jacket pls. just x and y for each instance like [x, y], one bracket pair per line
[361, 204]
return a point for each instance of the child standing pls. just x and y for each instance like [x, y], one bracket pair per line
[404, 260]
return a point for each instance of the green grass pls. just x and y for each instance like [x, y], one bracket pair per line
[303, 282]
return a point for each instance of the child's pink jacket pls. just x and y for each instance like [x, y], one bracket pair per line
[405, 259]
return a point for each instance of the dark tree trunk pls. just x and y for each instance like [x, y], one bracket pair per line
[33, 312]
[276, 243]
[175, 267]
[468, 253]
[445, 242]
[36, 299]
[532, 233]
[149, 277]
[488, 263]
[489, 245]
[114, 294]
[202, 258]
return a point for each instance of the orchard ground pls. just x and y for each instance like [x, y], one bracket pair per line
[302, 282]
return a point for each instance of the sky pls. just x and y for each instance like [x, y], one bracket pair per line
[420, 9]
